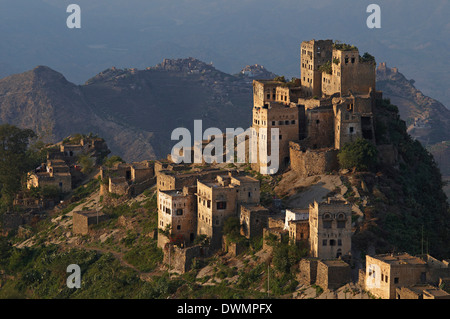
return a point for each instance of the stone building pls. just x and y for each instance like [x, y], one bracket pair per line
[128, 178]
[170, 180]
[293, 214]
[219, 200]
[421, 292]
[54, 173]
[332, 273]
[274, 115]
[253, 220]
[299, 231]
[332, 105]
[83, 219]
[180, 259]
[386, 273]
[353, 119]
[307, 271]
[330, 229]
[403, 276]
[268, 91]
[178, 210]
[314, 53]
[296, 222]
[349, 72]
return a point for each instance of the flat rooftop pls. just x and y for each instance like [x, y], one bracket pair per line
[400, 259]
[335, 263]
[428, 289]
[173, 193]
[246, 179]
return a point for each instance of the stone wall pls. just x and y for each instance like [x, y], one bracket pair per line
[312, 162]
[332, 274]
[232, 248]
[118, 185]
[307, 271]
[279, 234]
[253, 220]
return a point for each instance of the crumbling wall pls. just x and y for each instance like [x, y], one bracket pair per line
[180, 259]
[307, 162]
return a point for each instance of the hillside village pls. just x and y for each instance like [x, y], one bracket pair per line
[205, 212]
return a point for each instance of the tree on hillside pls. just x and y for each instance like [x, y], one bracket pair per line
[360, 154]
[16, 159]
[110, 161]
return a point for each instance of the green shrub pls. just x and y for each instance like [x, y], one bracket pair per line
[360, 154]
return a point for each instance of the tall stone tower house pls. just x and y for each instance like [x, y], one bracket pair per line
[330, 229]
[313, 55]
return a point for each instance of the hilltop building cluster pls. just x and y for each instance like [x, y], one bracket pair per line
[61, 170]
[330, 105]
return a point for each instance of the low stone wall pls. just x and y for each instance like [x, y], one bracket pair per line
[233, 249]
[307, 162]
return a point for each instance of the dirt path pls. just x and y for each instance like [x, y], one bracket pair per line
[303, 191]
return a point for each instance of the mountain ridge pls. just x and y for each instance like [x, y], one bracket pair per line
[136, 110]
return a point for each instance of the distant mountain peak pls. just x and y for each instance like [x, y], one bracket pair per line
[46, 74]
[257, 71]
[190, 65]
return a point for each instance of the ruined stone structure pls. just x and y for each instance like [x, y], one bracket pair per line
[330, 229]
[54, 173]
[310, 162]
[83, 219]
[253, 219]
[180, 259]
[232, 248]
[331, 105]
[128, 178]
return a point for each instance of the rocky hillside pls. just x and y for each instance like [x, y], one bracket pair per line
[43, 100]
[134, 110]
[427, 120]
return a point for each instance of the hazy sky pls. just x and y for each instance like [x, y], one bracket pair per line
[414, 35]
